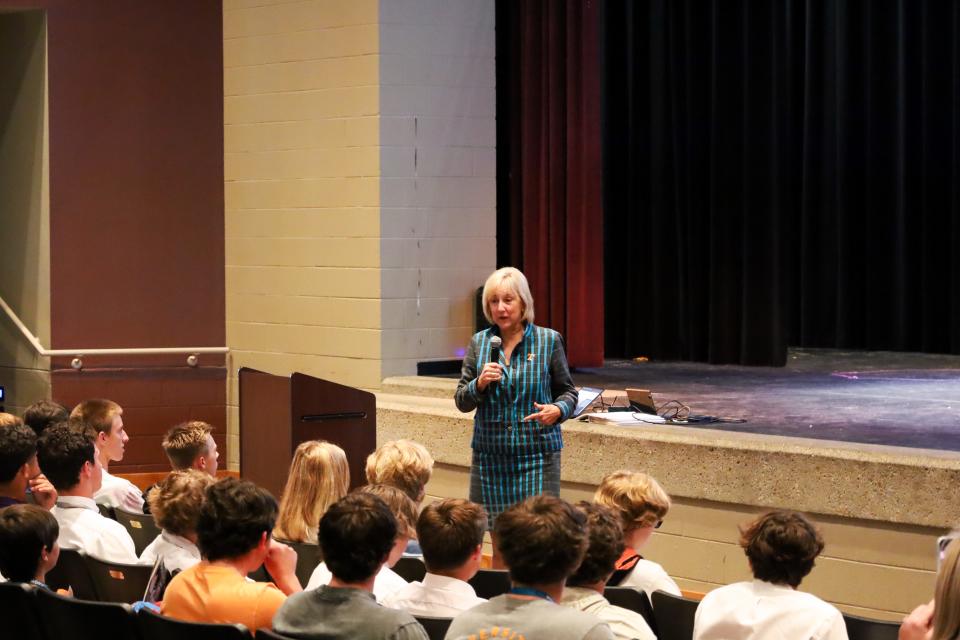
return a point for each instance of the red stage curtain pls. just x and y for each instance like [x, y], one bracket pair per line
[549, 85]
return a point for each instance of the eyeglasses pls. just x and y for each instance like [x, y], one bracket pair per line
[657, 526]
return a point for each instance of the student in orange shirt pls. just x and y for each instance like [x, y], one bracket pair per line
[233, 534]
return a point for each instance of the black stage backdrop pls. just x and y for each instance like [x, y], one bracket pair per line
[780, 173]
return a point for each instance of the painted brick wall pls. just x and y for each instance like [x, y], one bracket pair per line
[301, 136]
[438, 174]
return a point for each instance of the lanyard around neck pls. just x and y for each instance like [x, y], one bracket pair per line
[529, 591]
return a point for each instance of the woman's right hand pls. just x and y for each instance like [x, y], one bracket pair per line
[919, 624]
[491, 372]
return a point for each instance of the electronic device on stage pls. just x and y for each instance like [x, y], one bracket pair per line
[641, 400]
[586, 397]
[2, 398]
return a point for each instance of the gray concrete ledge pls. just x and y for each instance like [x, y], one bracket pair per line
[872, 482]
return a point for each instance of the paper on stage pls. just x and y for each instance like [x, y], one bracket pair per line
[625, 418]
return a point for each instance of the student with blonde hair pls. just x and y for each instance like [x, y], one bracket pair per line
[642, 504]
[939, 619]
[319, 476]
[106, 417]
[404, 464]
[176, 504]
[404, 511]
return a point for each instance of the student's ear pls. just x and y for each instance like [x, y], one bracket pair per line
[477, 554]
[201, 463]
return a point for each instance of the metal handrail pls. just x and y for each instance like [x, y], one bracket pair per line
[77, 362]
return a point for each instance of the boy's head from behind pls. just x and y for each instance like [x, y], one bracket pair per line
[67, 456]
[356, 536]
[542, 540]
[233, 519]
[43, 414]
[604, 548]
[450, 533]
[28, 542]
[404, 464]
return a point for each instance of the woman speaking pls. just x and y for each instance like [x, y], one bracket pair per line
[515, 375]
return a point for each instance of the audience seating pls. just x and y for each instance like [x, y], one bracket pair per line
[18, 603]
[617, 577]
[269, 634]
[156, 627]
[115, 582]
[63, 617]
[141, 528]
[410, 569]
[866, 629]
[72, 572]
[674, 616]
[436, 628]
[308, 557]
[489, 583]
[107, 512]
[634, 600]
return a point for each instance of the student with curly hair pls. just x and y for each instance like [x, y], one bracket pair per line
[233, 534]
[68, 456]
[584, 590]
[176, 504]
[781, 547]
[19, 469]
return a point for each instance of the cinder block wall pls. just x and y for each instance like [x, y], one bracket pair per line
[438, 175]
[360, 185]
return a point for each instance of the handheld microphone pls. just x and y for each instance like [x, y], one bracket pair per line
[495, 343]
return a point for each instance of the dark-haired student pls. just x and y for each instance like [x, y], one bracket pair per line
[19, 469]
[781, 547]
[356, 536]
[28, 544]
[233, 534]
[68, 456]
[584, 590]
[451, 537]
[43, 414]
[542, 541]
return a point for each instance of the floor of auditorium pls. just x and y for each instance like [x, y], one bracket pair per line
[901, 399]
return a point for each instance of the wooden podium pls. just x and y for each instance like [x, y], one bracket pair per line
[277, 413]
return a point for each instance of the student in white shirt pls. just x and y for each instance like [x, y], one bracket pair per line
[584, 590]
[642, 505]
[781, 547]
[188, 445]
[451, 536]
[68, 457]
[387, 581]
[106, 417]
[175, 505]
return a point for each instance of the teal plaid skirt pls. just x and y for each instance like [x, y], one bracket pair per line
[499, 481]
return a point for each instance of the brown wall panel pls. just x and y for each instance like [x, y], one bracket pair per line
[152, 403]
[136, 200]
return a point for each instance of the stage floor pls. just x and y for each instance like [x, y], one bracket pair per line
[900, 399]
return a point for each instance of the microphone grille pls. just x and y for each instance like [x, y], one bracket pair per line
[495, 341]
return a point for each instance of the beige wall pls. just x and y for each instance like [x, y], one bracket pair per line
[24, 206]
[438, 181]
[301, 135]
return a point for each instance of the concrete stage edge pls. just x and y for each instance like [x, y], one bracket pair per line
[880, 507]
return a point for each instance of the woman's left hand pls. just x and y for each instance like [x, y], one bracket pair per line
[546, 414]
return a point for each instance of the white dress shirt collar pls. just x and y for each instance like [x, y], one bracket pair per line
[77, 502]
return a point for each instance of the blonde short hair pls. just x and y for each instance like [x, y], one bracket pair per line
[636, 497]
[98, 413]
[9, 420]
[404, 464]
[176, 502]
[319, 476]
[185, 442]
[517, 282]
[403, 508]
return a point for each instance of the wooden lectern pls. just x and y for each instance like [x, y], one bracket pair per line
[277, 413]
